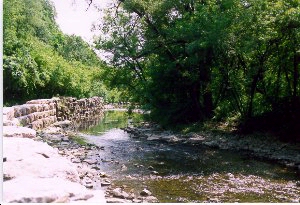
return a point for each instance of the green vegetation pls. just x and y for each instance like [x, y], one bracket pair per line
[39, 61]
[79, 140]
[195, 61]
[187, 61]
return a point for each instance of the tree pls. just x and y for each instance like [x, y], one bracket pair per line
[38, 59]
[191, 61]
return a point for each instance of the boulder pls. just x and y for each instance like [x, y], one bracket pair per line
[16, 131]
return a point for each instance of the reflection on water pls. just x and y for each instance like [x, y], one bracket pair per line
[141, 158]
[112, 119]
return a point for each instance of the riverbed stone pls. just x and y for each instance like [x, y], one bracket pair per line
[123, 167]
[118, 192]
[154, 173]
[196, 139]
[150, 199]
[105, 183]
[145, 192]
[170, 138]
[117, 200]
[153, 138]
[90, 161]
[151, 168]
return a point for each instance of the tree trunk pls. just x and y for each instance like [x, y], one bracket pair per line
[205, 79]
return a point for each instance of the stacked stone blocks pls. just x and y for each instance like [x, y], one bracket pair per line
[38, 114]
[80, 111]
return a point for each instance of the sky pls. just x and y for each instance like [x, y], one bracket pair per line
[75, 17]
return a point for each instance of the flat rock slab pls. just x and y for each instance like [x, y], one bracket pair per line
[16, 131]
[8, 112]
[13, 122]
[26, 157]
[45, 190]
[35, 172]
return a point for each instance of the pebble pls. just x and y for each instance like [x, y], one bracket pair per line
[118, 192]
[105, 183]
[96, 168]
[89, 186]
[103, 174]
[65, 139]
[151, 199]
[295, 200]
[151, 168]
[155, 173]
[145, 192]
[75, 160]
[136, 200]
[123, 167]
[116, 200]
[90, 161]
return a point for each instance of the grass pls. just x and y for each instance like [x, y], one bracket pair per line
[79, 140]
[212, 126]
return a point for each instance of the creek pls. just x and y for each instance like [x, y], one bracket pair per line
[176, 172]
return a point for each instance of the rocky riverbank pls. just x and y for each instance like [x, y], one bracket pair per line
[88, 161]
[36, 172]
[54, 165]
[260, 146]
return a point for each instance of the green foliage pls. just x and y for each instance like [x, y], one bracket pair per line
[190, 61]
[39, 61]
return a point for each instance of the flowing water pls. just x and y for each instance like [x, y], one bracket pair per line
[186, 173]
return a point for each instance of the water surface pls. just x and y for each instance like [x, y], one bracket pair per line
[186, 173]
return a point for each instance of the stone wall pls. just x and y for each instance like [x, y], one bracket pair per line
[80, 111]
[38, 114]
